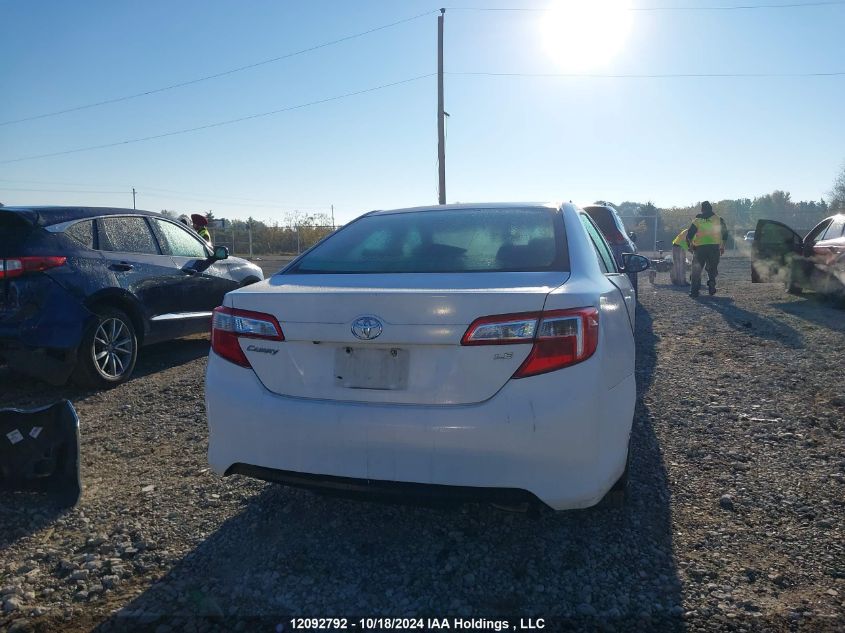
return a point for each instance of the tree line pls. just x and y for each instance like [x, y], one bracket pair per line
[299, 231]
[740, 215]
[295, 233]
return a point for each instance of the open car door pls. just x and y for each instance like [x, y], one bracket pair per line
[774, 247]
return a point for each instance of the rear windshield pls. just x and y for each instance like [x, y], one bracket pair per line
[451, 240]
[604, 219]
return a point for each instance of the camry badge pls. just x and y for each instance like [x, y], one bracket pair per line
[366, 328]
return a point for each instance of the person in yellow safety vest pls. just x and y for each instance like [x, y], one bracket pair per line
[200, 223]
[706, 237]
[679, 260]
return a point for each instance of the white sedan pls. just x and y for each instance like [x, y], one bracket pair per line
[476, 351]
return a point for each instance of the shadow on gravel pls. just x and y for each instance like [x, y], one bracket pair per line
[751, 323]
[22, 514]
[816, 310]
[289, 553]
[669, 286]
[162, 356]
[25, 391]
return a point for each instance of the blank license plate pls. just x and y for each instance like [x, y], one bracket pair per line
[371, 368]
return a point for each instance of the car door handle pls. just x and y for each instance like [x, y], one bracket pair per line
[121, 266]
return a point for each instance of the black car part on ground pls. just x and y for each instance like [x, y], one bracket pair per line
[39, 452]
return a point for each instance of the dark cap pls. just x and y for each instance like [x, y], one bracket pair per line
[199, 220]
[706, 208]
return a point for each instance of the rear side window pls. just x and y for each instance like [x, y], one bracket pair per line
[178, 242]
[126, 235]
[816, 233]
[835, 228]
[603, 252]
[449, 240]
[83, 233]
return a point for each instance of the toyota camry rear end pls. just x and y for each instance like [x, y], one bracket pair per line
[479, 351]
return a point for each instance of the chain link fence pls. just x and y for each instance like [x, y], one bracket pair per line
[260, 240]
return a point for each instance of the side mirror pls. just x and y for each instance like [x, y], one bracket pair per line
[221, 252]
[635, 263]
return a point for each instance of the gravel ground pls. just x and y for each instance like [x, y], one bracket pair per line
[734, 520]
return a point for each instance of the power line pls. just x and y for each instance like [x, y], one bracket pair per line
[218, 123]
[232, 197]
[218, 75]
[425, 76]
[61, 190]
[211, 199]
[184, 195]
[53, 182]
[216, 200]
[738, 7]
[649, 75]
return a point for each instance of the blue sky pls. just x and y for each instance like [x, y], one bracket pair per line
[672, 141]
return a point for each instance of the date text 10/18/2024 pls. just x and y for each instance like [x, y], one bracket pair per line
[415, 624]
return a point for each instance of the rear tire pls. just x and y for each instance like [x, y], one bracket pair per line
[108, 351]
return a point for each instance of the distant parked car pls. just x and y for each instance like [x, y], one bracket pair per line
[611, 226]
[82, 288]
[481, 351]
[814, 262]
[749, 237]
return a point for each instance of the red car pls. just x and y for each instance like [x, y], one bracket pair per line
[814, 262]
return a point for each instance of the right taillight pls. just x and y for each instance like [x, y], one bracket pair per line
[561, 338]
[228, 325]
[19, 266]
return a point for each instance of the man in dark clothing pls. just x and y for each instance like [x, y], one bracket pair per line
[706, 237]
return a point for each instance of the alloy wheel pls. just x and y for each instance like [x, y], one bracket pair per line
[113, 348]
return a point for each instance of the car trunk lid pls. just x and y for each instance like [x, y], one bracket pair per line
[415, 358]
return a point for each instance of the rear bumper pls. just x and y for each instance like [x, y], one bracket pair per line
[53, 366]
[41, 326]
[562, 437]
[385, 491]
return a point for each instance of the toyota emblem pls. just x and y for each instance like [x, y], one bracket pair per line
[366, 328]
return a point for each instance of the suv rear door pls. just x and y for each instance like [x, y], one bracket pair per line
[132, 255]
[774, 247]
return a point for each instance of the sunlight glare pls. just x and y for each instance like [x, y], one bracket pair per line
[584, 34]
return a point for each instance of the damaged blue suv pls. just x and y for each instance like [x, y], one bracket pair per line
[82, 288]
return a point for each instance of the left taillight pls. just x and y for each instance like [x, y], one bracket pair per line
[18, 266]
[230, 324]
[560, 338]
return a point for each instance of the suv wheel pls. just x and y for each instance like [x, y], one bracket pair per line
[108, 351]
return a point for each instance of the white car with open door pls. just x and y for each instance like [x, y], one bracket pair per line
[474, 351]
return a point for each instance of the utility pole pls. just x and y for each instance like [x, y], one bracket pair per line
[133, 198]
[332, 217]
[441, 114]
[249, 224]
[655, 232]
